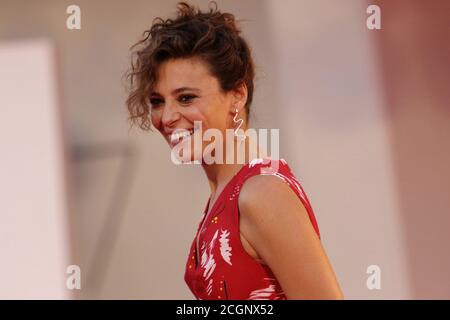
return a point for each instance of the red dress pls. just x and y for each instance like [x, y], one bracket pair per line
[224, 270]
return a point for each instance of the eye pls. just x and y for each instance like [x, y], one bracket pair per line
[155, 102]
[186, 98]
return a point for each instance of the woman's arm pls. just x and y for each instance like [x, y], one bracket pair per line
[277, 225]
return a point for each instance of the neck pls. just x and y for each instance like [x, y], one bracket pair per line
[220, 174]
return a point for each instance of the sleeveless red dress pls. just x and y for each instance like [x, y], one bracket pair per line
[218, 267]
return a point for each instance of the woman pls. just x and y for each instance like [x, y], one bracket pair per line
[258, 238]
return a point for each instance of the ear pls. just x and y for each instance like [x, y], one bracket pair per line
[239, 98]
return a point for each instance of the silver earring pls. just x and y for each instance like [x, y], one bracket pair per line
[239, 121]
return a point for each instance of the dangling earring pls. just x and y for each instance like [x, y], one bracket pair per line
[239, 121]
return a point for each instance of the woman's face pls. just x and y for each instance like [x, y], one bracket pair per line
[185, 92]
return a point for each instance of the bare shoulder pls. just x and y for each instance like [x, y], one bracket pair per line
[258, 184]
[267, 195]
[269, 208]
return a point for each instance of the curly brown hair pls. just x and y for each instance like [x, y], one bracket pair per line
[212, 36]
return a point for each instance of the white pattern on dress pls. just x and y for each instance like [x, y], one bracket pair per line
[267, 293]
[255, 161]
[208, 262]
[225, 248]
[209, 286]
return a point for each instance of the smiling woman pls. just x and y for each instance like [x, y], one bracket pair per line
[258, 237]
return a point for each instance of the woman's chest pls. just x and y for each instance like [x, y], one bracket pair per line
[219, 243]
[209, 262]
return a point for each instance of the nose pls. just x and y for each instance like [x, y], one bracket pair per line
[170, 116]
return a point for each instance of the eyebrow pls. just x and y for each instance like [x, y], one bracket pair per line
[178, 90]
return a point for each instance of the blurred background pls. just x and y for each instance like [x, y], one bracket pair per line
[364, 118]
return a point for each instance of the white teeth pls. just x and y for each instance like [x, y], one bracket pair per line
[175, 137]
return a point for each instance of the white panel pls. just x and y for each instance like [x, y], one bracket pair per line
[34, 246]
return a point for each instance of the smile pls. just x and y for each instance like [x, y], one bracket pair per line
[175, 138]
